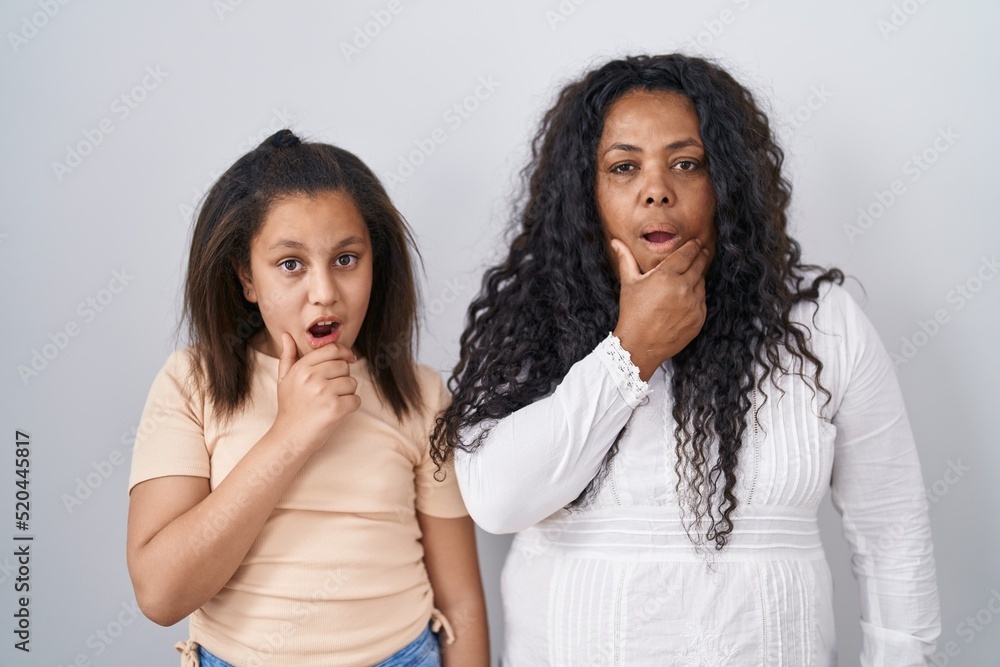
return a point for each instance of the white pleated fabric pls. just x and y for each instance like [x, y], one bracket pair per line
[619, 583]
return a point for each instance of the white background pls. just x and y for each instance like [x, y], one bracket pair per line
[855, 89]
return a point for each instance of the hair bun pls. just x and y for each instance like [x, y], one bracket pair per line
[283, 139]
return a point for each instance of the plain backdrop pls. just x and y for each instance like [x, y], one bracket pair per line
[118, 116]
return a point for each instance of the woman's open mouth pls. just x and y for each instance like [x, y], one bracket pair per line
[660, 241]
[658, 237]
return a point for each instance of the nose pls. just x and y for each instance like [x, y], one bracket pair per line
[322, 287]
[657, 189]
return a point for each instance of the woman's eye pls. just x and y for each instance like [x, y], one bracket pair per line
[290, 264]
[346, 260]
[623, 168]
[687, 165]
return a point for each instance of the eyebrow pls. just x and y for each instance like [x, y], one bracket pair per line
[296, 245]
[629, 148]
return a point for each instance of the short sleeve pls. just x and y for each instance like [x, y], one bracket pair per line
[170, 439]
[437, 490]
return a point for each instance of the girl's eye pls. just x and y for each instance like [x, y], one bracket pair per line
[290, 264]
[346, 260]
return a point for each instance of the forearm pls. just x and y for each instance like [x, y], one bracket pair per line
[539, 458]
[893, 561]
[453, 570]
[471, 647]
[185, 563]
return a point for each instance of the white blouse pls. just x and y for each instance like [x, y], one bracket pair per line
[618, 583]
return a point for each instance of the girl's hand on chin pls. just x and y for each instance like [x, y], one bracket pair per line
[314, 393]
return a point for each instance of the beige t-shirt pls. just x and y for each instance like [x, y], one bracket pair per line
[336, 576]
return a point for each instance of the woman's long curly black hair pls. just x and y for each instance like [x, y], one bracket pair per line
[555, 296]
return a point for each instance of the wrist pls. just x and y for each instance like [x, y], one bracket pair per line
[618, 362]
[641, 355]
[289, 441]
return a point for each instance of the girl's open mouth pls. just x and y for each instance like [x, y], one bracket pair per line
[323, 333]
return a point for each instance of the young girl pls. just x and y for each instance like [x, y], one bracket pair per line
[285, 498]
[664, 478]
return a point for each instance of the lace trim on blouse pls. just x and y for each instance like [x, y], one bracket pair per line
[618, 361]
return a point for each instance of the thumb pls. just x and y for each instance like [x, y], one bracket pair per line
[289, 355]
[628, 268]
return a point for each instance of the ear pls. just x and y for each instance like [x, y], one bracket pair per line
[246, 280]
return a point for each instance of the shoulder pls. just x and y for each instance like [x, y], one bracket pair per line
[843, 337]
[838, 333]
[179, 379]
[432, 396]
[433, 392]
[180, 362]
[183, 363]
[833, 313]
[170, 438]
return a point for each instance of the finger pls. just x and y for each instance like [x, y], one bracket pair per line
[289, 355]
[353, 402]
[344, 386]
[332, 369]
[698, 291]
[680, 260]
[700, 265]
[628, 268]
[331, 351]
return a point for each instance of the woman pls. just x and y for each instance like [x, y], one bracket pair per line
[664, 479]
